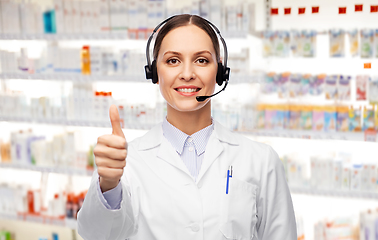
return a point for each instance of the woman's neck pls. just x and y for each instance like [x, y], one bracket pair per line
[190, 122]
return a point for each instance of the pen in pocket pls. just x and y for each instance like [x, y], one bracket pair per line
[229, 175]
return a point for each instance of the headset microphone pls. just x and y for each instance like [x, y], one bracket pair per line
[203, 98]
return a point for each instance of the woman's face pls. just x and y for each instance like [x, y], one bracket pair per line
[186, 67]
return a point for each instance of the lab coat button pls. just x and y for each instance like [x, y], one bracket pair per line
[195, 227]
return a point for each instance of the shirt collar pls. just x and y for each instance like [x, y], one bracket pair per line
[177, 138]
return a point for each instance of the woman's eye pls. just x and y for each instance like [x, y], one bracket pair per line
[172, 61]
[202, 60]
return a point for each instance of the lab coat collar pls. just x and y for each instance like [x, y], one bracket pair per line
[153, 138]
[224, 134]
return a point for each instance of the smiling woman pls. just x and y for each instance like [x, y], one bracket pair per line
[188, 177]
[187, 67]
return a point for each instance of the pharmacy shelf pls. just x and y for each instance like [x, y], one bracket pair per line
[335, 193]
[62, 222]
[71, 36]
[98, 36]
[48, 169]
[347, 136]
[236, 78]
[78, 123]
[74, 77]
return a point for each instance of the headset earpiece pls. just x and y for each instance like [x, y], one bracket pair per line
[148, 72]
[151, 73]
[155, 77]
[220, 74]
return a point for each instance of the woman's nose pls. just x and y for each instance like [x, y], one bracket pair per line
[187, 73]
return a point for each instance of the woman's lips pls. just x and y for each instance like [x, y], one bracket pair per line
[187, 90]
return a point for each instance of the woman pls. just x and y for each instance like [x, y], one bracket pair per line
[189, 177]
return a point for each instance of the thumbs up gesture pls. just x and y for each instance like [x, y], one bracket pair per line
[110, 153]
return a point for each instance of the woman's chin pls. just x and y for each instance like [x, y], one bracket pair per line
[189, 107]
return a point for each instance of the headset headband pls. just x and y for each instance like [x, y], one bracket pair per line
[166, 20]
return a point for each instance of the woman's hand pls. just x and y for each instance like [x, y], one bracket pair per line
[110, 153]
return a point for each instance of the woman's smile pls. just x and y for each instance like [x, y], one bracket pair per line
[187, 90]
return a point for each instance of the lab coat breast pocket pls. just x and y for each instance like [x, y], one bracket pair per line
[238, 209]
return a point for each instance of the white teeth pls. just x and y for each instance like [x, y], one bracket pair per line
[187, 90]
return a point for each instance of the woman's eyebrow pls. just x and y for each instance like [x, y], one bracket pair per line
[196, 54]
[172, 52]
[202, 52]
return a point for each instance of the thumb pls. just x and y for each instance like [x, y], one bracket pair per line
[115, 121]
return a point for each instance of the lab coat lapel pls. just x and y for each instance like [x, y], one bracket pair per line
[214, 149]
[167, 153]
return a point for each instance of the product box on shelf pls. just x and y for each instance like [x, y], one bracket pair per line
[295, 168]
[25, 203]
[355, 119]
[5, 235]
[10, 17]
[337, 46]
[316, 83]
[368, 118]
[368, 224]
[318, 119]
[338, 228]
[86, 16]
[104, 17]
[353, 42]
[306, 118]
[330, 119]
[362, 82]
[1, 20]
[346, 177]
[334, 171]
[295, 117]
[27, 18]
[28, 150]
[344, 88]
[367, 43]
[118, 16]
[59, 16]
[331, 87]
[373, 90]
[342, 119]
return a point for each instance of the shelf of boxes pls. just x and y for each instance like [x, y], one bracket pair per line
[62, 36]
[370, 136]
[88, 172]
[74, 77]
[92, 36]
[335, 193]
[34, 218]
[237, 78]
[49, 169]
[78, 123]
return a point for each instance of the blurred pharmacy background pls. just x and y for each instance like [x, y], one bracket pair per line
[304, 79]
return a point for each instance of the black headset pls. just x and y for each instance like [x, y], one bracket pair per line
[223, 73]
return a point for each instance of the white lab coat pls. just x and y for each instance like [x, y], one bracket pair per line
[162, 201]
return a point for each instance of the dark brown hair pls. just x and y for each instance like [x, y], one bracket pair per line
[184, 20]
